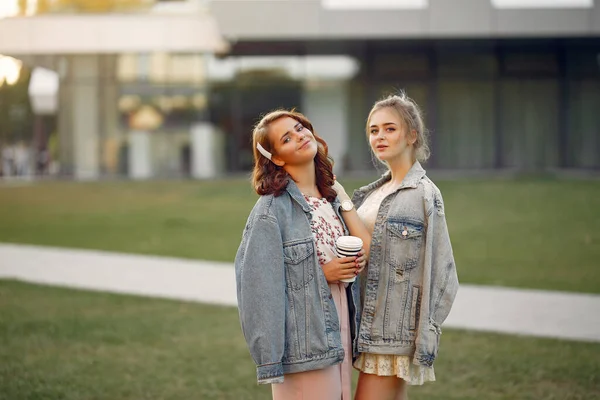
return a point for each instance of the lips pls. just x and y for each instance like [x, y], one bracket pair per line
[379, 148]
[304, 145]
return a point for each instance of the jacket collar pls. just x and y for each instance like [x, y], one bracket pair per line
[297, 195]
[414, 175]
[411, 180]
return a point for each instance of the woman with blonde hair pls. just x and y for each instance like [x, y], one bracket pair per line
[411, 278]
[299, 319]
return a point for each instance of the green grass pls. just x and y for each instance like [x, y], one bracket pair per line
[524, 233]
[61, 344]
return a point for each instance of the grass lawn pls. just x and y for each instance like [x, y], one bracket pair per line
[71, 345]
[524, 233]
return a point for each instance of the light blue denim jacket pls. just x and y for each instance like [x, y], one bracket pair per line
[286, 310]
[411, 277]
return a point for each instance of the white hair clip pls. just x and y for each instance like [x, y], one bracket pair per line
[263, 151]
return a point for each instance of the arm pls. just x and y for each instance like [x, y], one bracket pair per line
[444, 278]
[260, 281]
[440, 279]
[353, 221]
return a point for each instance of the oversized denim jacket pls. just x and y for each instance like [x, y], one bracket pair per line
[286, 310]
[411, 277]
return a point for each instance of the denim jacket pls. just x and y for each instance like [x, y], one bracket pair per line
[286, 310]
[411, 278]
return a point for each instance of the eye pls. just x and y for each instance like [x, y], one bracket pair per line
[286, 140]
[390, 129]
[300, 128]
[373, 131]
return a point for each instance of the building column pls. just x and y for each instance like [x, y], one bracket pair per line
[207, 150]
[111, 136]
[79, 116]
[326, 106]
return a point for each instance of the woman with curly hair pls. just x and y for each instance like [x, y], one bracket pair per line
[299, 318]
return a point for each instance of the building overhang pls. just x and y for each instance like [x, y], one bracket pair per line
[110, 34]
[269, 20]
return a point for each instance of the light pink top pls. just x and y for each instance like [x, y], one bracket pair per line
[335, 382]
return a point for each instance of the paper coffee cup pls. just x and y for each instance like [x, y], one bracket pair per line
[349, 242]
[348, 246]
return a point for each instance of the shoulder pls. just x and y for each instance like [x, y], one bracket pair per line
[263, 209]
[271, 207]
[429, 187]
[432, 196]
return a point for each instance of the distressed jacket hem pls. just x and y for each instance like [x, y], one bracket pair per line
[314, 362]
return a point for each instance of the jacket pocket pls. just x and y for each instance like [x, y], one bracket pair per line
[306, 324]
[404, 240]
[297, 259]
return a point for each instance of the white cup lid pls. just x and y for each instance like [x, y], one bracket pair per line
[349, 242]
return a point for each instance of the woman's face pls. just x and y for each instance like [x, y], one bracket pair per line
[292, 142]
[388, 136]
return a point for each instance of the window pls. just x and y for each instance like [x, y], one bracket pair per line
[374, 4]
[543, 3]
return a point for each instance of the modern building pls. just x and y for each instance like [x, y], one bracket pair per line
[504, 84]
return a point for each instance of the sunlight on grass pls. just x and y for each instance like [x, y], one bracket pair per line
[523, 233]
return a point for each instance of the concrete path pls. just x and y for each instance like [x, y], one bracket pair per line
[495, 309]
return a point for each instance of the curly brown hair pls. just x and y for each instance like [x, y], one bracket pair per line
[268, 178]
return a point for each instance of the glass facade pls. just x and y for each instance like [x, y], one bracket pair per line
[514, 104]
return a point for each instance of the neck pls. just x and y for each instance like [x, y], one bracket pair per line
[399, 168]
[305, 178]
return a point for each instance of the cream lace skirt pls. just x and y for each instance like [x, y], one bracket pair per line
[391, 365]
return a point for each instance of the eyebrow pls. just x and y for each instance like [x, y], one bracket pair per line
[288, 132]
[384, 124]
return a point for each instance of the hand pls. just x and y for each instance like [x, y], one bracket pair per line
[340, 268]
[361, 261]
[341, 192]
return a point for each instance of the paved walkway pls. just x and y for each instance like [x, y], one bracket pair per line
[517, 311]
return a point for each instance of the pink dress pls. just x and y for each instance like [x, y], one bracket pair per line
[335, 382]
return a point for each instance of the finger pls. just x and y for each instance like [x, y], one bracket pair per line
[348, 274]
[348, 267]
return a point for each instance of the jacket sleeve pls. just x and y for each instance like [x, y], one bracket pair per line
[260, 281]
[443, 280]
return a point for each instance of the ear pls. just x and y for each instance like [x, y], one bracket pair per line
[277, 161]
[412, 136]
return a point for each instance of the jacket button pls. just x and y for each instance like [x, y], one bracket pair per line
[330, 296]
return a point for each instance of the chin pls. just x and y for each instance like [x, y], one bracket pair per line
[313, 150]
[381, 157]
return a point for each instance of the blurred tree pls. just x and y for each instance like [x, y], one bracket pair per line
[91, 6]
[22, 7]
[16, 116]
